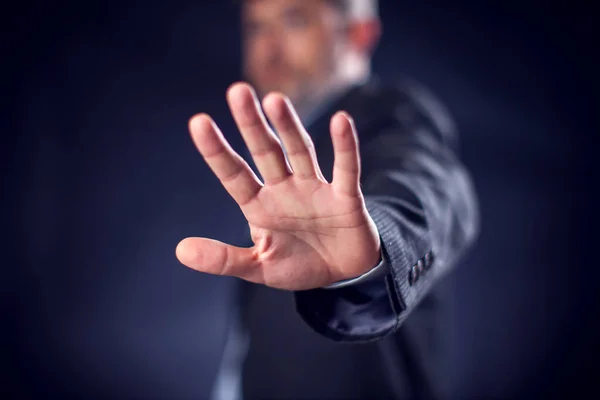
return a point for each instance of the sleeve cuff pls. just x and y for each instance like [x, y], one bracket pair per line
[378, 272]
[355, 310]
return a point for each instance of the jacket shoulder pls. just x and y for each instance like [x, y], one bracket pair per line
[407, 104]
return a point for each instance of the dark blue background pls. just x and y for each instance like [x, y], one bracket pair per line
[103, 181]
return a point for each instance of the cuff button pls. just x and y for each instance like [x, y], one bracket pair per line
[413, 275]
[428, 259]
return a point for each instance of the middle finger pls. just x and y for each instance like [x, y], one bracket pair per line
[264, 146]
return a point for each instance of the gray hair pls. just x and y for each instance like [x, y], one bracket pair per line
[357, 9]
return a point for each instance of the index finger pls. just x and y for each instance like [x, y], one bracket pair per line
[232, 170]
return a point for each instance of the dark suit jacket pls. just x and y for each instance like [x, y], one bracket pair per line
[422, 201]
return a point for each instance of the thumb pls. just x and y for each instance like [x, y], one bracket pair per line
[218, 258]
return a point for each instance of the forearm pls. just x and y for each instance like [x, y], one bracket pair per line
[423, 235]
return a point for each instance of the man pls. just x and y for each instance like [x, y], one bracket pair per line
[352, 229]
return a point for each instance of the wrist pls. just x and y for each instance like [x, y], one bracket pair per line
[379, 270]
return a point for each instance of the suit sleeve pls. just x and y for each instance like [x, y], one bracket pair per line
[422, 201]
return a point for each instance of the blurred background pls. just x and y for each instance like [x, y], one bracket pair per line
[102, 181]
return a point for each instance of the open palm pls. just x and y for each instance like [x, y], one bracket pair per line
[307, 232]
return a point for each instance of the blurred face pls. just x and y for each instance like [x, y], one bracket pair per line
[291, 46]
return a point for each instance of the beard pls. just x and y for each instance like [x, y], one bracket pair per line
[305, 89]
[297, 90]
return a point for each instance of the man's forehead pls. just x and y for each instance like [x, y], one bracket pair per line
[277, 3]
[277, 6]
[352, 9]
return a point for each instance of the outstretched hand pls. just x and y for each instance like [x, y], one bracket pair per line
[307, 232]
